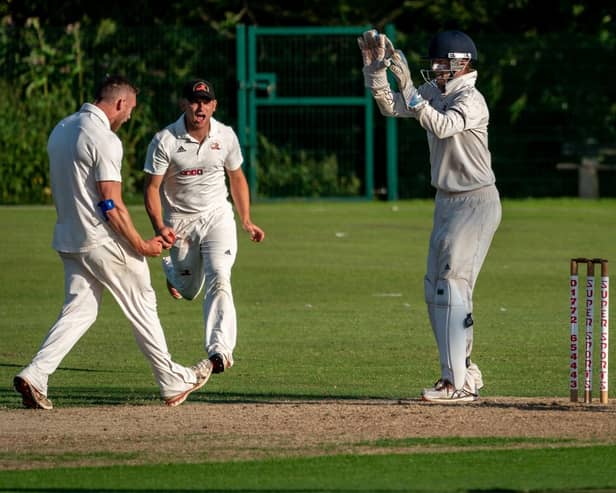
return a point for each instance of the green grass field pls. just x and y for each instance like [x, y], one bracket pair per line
[329, 306]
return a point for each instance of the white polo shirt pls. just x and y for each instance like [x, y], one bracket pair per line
[82, 150]
[194, 181]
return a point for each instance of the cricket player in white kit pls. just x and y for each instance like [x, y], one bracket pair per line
[101, 249]
[186, 198]
[467, 206]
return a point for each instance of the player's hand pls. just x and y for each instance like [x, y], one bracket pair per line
[365, 43]
[399, 68]
[376, 50]
[153, 247]
[168, 236]
[256, 233]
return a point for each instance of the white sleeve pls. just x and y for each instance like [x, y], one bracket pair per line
[466, 112]
[441, 124]
[108, 160]
[234, 158]
[392, 103]
[157, 158]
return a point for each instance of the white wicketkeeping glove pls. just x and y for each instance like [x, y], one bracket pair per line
[400, 69]
[376, 50]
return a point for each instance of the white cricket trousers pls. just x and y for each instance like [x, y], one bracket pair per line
[464, 225]
[204, 253]
[126, 275]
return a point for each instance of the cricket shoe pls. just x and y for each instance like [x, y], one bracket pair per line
[168, 268]
[438, 385]
[203, 371]
[31, 397]
[220, 362]
[443, 392]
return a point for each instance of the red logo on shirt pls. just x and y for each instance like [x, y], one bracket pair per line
[191, 172]
[215, 146]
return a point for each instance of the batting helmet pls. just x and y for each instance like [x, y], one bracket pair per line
[452, 44]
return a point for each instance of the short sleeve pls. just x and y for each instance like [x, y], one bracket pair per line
[234, 159]
[157, 158]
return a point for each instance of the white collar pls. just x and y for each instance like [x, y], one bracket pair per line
[92, 108]
[466, 80]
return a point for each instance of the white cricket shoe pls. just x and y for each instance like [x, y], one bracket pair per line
[32, 398]
[444, 393]
[203, 371]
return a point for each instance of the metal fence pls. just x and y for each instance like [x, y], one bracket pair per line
[304, 122]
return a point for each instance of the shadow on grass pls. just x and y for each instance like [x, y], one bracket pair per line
[85, 397]
[106, 396]
[65, 368]
[140, 396]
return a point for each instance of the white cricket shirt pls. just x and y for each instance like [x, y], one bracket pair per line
[456, 122]
[82, 150]
[457, 126]
[194, 172]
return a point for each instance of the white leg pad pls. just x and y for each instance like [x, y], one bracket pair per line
[474, 378]
[450, 319]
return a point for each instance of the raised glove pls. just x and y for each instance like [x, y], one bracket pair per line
[402, 74]
[376, 49]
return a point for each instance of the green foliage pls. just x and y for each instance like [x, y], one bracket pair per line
[23, 173]
[50, 72]
[47, 62]
[285, 173]
[47, 84]
[40, 97]
[546, 81]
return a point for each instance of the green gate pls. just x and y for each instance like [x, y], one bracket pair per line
[305, 121]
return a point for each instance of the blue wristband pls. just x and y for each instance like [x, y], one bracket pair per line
[106, 205]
